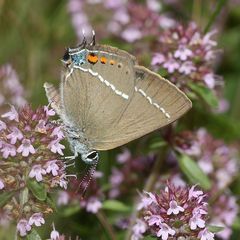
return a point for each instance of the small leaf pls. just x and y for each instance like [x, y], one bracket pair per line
[5, 197]
[33, 235]
[51, 203]
[38, 189]
[70, 210]
[157, 145]
[215, 229]
[115, 205]
[194, 172]
[205, 93]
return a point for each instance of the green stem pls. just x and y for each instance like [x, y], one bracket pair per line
[218, 9]
[149, 186]
[103, 220]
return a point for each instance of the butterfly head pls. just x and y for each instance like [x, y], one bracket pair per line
[91, 157]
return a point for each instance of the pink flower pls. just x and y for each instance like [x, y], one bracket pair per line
[174, 208]
[41, 126]
[23, 227]
[116, 177]
[164, 231]
[57, 132]
[3, 125]
[124, 156]
[56, 147]
[12, 114]
[131, 34]
[196, 221]
[193, 193]
[209, 79]
[93, 205]
[8, 150]
[52, 167]
[63, 198]
[187, 68]
[37, 171]
[37, 219]
[15, 135]
[1, 184]
[54, 234]
[63, 182]
[205, 235]
[157, 59]
[171, 65]
[183, 53]
[154, 220]
[138, 229]
[49, 112]
[26, 148]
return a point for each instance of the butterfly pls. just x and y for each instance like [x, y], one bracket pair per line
[106, 99]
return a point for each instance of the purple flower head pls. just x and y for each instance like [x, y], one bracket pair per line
[93, 205]
[173, 213]
[11, 89]
[56, 147]
[54, 234]
[25, 159]
[188, 55]
[23, 227]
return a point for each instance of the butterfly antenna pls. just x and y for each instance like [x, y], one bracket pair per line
[91, 173]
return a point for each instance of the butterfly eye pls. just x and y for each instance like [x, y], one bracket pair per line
[92, 156]
[66, 56]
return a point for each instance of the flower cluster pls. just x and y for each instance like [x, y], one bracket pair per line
[128, 20]
[187, 55]
[129, 173]
[174, 212]
[11, 91]
[214, 157]
[31, 164]
[76, 189]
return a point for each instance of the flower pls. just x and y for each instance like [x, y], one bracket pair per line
[26, 148]
[8, 150]
[93, 205]
[15, 135]
[52, 167]
[11, 90]
[172, 212]
[205, 235]
[138, 229]
[188, 56]
[1, 184]
[54, 234]
[37, 219]
[37, 171]
[23, 227]
[174, 208]
[164, 231]
[63, 198]
[56, 147]
[12, 114]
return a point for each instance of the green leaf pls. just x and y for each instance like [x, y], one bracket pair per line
[33, 235]
[115, 205]
[214, 229]
[5, 197]
[51, 203]
[158, 144]
[38, 189]
[70, 210]
[205, 93]
[195, 174]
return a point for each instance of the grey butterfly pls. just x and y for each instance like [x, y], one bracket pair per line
[106, 99]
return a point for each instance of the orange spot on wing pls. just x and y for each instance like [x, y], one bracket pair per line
[112, 62]
[92, 58]
[103, 60]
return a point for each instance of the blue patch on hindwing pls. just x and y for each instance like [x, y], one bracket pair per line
[79, 58]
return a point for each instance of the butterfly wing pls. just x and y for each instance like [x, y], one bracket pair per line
[155, 103]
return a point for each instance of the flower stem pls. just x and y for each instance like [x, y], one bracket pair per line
[108, 228]
[218, 9]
